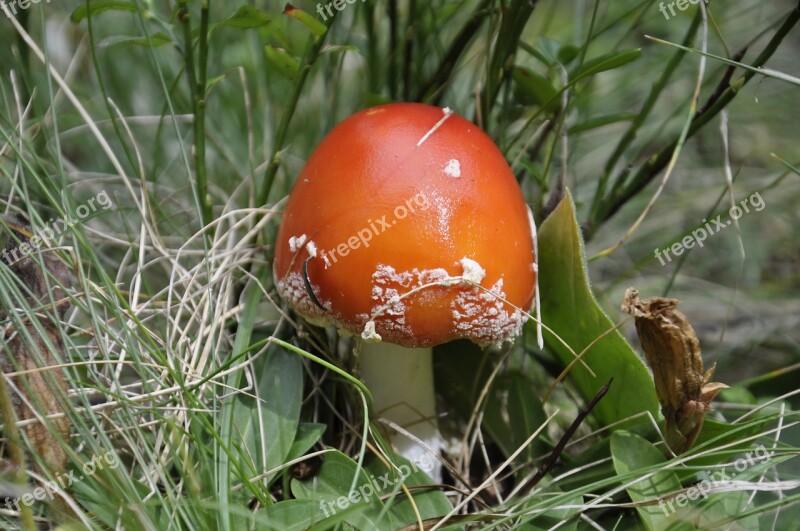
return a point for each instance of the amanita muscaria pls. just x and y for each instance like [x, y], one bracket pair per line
[407, 228]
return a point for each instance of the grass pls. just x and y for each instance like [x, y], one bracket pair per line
[197, 400]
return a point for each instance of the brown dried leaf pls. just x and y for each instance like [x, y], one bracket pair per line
[37, 390]
[673, 353]
[35, 349]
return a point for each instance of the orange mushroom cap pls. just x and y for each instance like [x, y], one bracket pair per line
[397, 205]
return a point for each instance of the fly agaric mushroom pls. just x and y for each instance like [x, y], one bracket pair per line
[407, 227]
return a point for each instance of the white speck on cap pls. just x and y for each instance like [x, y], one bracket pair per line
[311, 247]
[369, 334]
[296, 243]
[453, 168]
[473, 271]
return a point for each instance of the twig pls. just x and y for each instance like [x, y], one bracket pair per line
[556, 453]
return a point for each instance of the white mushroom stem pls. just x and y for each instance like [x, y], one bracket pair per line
[401, 382]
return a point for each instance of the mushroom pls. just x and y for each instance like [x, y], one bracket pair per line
[407, 228]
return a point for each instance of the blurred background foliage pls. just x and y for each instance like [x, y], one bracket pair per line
[200, 114]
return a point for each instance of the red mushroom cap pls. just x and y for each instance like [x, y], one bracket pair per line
[394, 202]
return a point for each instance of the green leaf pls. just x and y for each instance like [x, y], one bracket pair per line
[333, 48]
[331, 490]
[514, 395]
[314, 26]
[429, 503]
[600, 121]
[213, 82]
[98, 6]
[283, 63]
[715, 433]
[719, 507]
[607, 62]
[248, 17]
[567, 53]
[635, 457]
[308, 433]
[156, 40]
[547, 49]
[265, 426]
[553, 516]
[292, 515]
[571, 311]
[461, 369]
[537, 88]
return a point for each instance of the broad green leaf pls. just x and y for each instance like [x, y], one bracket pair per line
[331, 490]
[525, 416]
[297, 515]
[248, 17]
[728, 505]
[535, 88]
[95, 7]
[738, 395]
[607, 62]
[314, 26]
[266, 425]
[514, 395]
[291, 515]
[308, 433]
[567, 53]
[461, 369]
[429, 503]
[547, 50]
[281, 62]
[571, 311]
[600, 121]
[634, 456]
